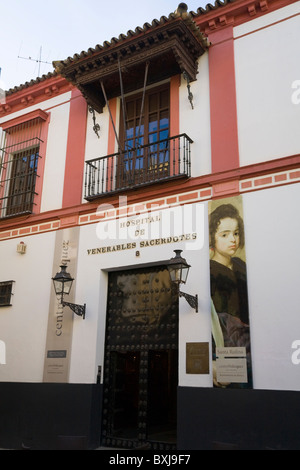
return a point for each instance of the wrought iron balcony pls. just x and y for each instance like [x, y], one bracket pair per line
[143, 165]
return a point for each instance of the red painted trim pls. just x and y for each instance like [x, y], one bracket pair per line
[111, 144]
[268, 25]
[38, 113]
[174, 119]
[254, 170]
[174, 105]
[41, 166]
[73, 181]
[34, 94]
[168, 190]
[223, 114]
[237, 13]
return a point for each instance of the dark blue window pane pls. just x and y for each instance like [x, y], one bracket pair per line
[153, 126]
[164, 134]
[164, 122]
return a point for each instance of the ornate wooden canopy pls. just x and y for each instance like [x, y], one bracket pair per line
[169, 46]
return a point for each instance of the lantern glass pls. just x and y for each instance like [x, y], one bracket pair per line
[58, 287]
[184, 273]
[67, 286]
[178, 268]
[174, 273]
[62, 282]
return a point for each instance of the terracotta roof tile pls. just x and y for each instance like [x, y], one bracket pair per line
[30, 83]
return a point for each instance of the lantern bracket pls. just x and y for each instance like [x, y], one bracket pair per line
[62, 282]
[191, 299]
[78, 309]
[178, 269]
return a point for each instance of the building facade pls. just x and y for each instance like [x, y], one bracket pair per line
[182, 135]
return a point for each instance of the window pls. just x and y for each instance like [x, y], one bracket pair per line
[19, 157]
[144, 136]
[148, 151]
[5, 293]
[21, 181]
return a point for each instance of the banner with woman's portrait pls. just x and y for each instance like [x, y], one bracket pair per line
[229, 295]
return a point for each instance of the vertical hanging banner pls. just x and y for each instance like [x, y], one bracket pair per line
[229, 295]
[60, 320]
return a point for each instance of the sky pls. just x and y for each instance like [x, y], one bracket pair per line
[34, 33]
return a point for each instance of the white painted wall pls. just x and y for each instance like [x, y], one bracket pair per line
[196, 327]
[89, 335]
[196, 122]
[267, 51]
[272, 227]
[23, 326]
[53, 182]
[45, 105]
[97, 147]
[273, 261]
[55, 157]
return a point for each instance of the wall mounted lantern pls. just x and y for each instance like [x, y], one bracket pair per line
[62, 285]
[179, 269]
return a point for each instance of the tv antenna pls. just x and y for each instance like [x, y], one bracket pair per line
[39, 60]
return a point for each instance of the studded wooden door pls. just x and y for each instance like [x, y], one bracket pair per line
[141, 360]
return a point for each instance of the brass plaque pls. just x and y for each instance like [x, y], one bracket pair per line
[197, 358]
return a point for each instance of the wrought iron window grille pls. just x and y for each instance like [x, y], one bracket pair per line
[18, 170]
[6, 293]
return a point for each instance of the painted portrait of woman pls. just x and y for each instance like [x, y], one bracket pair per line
[228, 283]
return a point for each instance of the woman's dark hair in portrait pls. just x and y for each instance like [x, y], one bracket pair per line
[222, 212]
